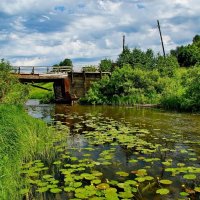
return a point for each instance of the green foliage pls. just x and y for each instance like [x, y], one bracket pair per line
[94, 94]
[166, 66]
[89, 68]
[106, 65]
[66, 62]
[182, 91]
[143, 78]
[125, 86]
[178, 89]
[192, 94]
[136, 58]
[196, 40]
[44, 96]
[188, 55]
[11, 90]
[64, 66]
[22, 137]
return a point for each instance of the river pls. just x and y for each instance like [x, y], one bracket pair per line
[164, 155]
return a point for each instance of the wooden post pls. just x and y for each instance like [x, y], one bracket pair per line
[100, 74]
[84, 82]
[72, 77]
[123, 43]
[33, 70]
[161, 38]
[18, 70]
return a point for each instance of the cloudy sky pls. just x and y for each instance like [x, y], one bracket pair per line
[44, 32]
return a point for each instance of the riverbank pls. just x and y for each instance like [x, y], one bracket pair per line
[23, 138]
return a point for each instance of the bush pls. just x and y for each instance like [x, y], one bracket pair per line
[11, 90]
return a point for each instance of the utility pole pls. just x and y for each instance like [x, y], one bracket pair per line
[161, 38]
[123, 42]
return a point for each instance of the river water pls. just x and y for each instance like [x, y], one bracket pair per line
[178, 135]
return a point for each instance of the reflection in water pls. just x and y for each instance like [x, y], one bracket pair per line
[170, 129]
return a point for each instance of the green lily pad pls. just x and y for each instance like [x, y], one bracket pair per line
[133, 161]
[69, 189]
[192, 159]
[57, 162]
[162, 191]
[97, 173]
[197, 189]
[166, 182]
[96, 181]
[42, 189]
[102, 186]
[184, 194]
[121, 173]
[189, 176]
[55, 190]
[111, 193]
[47, 176]
[126, 195]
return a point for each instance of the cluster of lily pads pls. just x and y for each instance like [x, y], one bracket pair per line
[106, 159]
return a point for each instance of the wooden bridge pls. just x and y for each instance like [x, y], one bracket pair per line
[67, 85]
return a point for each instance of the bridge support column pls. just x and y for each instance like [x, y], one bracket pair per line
[62, 91]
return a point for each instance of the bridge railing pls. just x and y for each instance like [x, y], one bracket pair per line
[41, 69]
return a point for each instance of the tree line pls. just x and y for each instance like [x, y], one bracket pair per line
[141, 77]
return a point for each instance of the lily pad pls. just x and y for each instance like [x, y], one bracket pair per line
[42, 189]
[121, 173]
[102, 186]
[162, 191]
[184, 194]
[166, 182]
[55, 190]
[189, 176]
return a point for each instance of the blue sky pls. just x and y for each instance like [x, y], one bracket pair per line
[35, 32]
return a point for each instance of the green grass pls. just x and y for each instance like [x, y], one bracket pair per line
[22, 138]
[43, 95]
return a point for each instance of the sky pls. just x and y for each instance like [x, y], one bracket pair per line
[44, 32]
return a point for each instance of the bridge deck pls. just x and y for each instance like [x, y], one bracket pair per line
[51, 77]
[41, 77]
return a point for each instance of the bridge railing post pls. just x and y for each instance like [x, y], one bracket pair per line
[84, 81]
[33, 70]
[100, 74]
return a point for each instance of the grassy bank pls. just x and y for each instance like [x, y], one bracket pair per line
[22, 138]
[44, 96]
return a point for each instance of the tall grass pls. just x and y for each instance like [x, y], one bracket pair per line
[22, 138]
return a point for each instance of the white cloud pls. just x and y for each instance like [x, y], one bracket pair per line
[91, 29]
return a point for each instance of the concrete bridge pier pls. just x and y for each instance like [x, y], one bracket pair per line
[62, 91]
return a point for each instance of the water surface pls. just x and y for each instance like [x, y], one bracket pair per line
[173, 138]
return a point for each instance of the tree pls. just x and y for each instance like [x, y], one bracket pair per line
[188, 55]
[166, 66]
[196, 39]
[89, 68]
[66, 62]
[106, 65]
[124, 57]
[136, 58]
